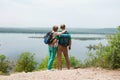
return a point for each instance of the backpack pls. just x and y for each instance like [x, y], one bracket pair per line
[48, 38]
[64, 39]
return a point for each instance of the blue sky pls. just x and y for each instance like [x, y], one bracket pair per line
[73, 13]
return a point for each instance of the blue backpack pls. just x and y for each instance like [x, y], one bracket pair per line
[48, 38]
[64, 39]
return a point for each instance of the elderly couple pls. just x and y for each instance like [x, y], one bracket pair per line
[60, 44]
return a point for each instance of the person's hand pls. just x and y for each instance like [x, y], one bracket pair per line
[54, 41]
[58, 34]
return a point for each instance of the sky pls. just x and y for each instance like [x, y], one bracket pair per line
[73, 13]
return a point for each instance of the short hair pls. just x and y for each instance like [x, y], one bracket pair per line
[55, 28]
[62, 26]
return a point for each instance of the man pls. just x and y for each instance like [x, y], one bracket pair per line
[64, 43]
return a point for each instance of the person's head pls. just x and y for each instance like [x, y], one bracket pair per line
[62, 27]
[55, 28]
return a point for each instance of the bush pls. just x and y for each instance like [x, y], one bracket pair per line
[26, 63]
[73, 61]
[114, 49]
[106, 56]
[44, 63]
[4, 64]
[99, 58]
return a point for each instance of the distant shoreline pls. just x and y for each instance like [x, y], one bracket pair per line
[71, 30]
[78, 38]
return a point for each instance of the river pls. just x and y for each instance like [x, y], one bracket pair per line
[13, 44]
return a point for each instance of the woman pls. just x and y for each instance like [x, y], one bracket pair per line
[52, 48]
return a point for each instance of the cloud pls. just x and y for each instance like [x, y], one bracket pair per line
[48, 12]
[14, 13]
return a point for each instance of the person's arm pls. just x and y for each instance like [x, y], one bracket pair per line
[55, 40]
[70, 44]
[65, 35]
[61, 32]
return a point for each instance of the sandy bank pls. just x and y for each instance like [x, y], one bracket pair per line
[74, 74]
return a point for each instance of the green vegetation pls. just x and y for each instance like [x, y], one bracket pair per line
[73, 61]
[26, 63]
[4, 65]
[106, 56]
[114, 49]
[99, 58]
[43, 64]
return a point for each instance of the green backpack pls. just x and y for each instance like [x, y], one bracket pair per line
[64, 39]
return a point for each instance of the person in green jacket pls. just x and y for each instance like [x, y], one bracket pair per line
[64, 43]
